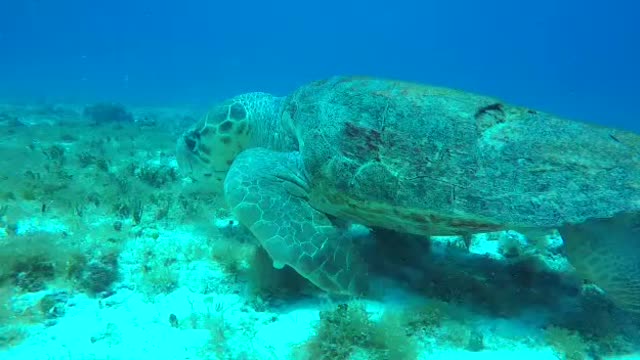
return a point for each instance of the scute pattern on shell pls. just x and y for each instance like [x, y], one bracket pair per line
[460, 155]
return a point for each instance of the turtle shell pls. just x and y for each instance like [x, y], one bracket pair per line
[437, 161]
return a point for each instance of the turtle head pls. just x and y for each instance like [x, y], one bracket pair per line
[206, 151]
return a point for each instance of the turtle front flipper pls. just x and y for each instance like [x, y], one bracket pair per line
[607, 253]
[267, 192]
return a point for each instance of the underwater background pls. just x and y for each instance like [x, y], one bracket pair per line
[575, 58]
[109, 251]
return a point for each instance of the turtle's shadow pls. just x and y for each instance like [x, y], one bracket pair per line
[496, 288]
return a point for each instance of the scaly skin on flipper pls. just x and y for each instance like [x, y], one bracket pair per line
[422, 160]
[607, 253]
[268, 192]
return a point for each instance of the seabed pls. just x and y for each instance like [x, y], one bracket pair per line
[107, 252]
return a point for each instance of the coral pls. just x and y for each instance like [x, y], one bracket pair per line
[230, 254]
[173, 321]
[11, 336]
[598, 321]
[31, 273]
[220, 332]
[30, 261]
[86, 159]
[111, 335]
[349, 330]
[100, 273]
[460, 335]
[340, 332]
[157, 176]
[566, 343]
[55, 155]
[44, 185]
[511, 244]
[159, 278]
[389, 339]
[6, 312]
[159, 261]
[476, 341]
[14, 321]
[107, 112]
[224, 336]
[423, 318]
[53, 305]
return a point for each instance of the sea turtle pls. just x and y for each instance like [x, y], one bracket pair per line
[422, 160]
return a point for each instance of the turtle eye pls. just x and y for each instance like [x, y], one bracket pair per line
[191, 140]
[191, 143]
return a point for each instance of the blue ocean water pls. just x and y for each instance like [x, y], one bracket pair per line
[578, 59]
[108, 250]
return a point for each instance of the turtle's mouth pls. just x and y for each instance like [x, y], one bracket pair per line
[214, 172]
[209, 175]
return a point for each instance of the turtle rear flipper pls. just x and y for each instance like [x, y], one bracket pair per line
[607, 253]
[267, 192]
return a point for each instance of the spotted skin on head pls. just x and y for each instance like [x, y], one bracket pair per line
[207, 150]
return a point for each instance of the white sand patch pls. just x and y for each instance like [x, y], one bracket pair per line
[214, 320]
[507, 354]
